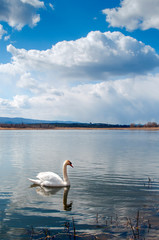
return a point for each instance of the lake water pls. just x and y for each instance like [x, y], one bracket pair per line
[115, 175]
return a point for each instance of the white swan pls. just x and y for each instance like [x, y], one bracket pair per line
[50, 179]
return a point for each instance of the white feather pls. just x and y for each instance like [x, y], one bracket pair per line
[51, 179]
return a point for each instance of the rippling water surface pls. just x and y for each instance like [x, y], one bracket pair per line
[115, 174]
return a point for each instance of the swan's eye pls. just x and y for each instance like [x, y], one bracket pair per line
[70, 164]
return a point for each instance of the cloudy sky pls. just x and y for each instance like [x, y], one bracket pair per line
[94, 60]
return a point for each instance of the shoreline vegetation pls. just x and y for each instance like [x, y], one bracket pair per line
[103, 228]
[79, 126]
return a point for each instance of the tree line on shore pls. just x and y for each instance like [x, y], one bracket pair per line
[76, 125]
[146, 125]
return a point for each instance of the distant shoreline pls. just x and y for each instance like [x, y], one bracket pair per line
[84, 128]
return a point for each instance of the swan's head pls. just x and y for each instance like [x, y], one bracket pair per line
[67, 162]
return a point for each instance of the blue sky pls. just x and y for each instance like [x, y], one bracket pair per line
[80, 60]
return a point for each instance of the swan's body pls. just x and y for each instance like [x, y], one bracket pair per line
[50, 179]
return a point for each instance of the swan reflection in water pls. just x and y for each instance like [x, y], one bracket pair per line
[48, 191]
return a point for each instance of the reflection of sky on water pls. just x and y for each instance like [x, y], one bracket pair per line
[110, 176]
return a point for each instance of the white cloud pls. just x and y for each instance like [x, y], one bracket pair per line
[51, 6]
[6, 38]
[121, 101]
[96, 56]
[34, 3]
[35, 19]
[11, 69]
[20, 101]
[18, 13]
[27, 82]
[134, 14]
[37, 81]
[2, 31]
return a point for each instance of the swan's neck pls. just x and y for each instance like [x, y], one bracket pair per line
[65, 177]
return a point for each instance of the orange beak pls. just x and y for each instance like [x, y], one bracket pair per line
[71, 165]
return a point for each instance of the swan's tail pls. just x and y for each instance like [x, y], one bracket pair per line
[35, 181]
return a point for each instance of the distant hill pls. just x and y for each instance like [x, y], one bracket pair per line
[44, 124]
[22, 123]
[6, 120]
